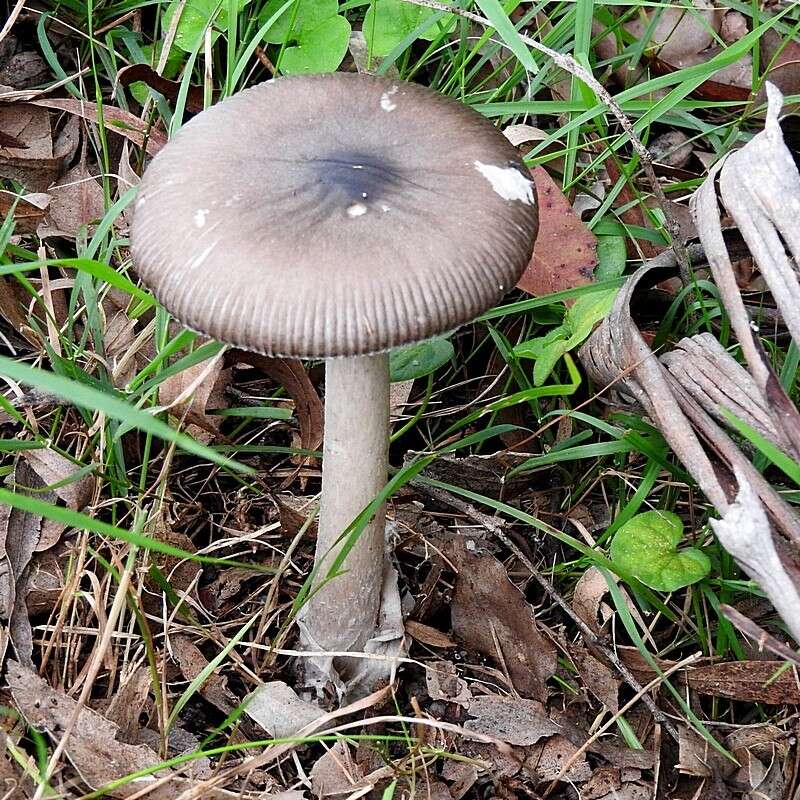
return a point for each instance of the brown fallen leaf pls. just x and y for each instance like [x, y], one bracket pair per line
[699, 758]
[194, 391]
[428, 635]
[29, 210]
[93, 746]
[510, 719]
[462, 776]
[24, 70]
[192, 662]
[680, 31]
[750, 681]
[116, 120]
[445, 684]
[489, 614]
[77, 200]
[597, 677]
[546, 760]
[335, 773]
[35, 166]
[587, 599]
[127, 704]
[565, 253]
[52, 469]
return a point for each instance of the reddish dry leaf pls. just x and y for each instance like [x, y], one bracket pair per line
[783, 58]
[29, 211]
[490, 615]
[35, 166]
[714, 90]
[565, 253]
[290, 373]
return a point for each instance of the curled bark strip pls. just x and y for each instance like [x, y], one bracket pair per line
[683, 392]
[760, 187]
[784, 516]
[617, 348]
[744, 531]
[703, 367]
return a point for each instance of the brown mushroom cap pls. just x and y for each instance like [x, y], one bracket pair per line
[333, 215]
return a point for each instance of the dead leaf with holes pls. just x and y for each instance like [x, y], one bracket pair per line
[192, 662]
[193, 392]
[93, 747]
[513, 720]
[565, 253]
[444, 683]
[490, 615]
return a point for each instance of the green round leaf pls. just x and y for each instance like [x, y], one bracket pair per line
[612, 254]
[416, 360]
[646, 546]
[387, 23]
[319, 49]
[196, 16]
[308, 14]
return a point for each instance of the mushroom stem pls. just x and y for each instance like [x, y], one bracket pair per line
[343, 614]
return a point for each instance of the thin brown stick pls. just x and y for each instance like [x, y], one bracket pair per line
[495, 527]
[569, 64]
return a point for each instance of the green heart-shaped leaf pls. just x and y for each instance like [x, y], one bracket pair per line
[646, 546]
[416, 360]
[388, 22]
[305, 15]
[319, 49]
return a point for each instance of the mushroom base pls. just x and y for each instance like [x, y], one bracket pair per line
[343, 615]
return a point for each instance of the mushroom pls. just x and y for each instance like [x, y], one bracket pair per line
[336, 217]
